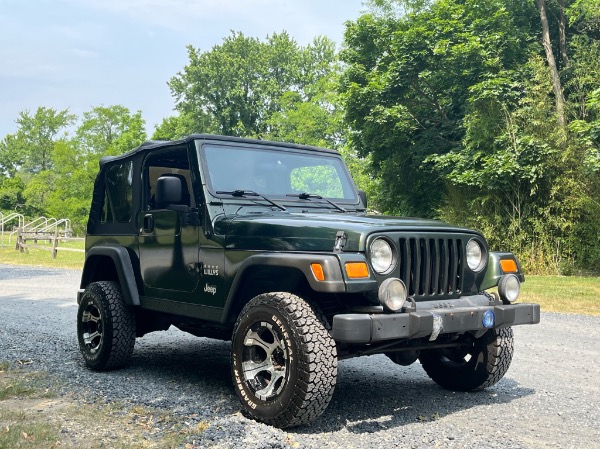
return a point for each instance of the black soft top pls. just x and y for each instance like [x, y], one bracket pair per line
[137, 155]
[153, 144]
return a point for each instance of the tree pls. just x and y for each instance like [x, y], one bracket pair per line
[313, 114]
[555, 77]
[37, 134]
[26, 158]
[72, 181]
[45, 171]
[485, 135]
[110, 130]
[103, 131]
[238, 86]
[178, 126]
[584, 17]
[12, 155]
[11, 193]
[508, 177]
[407, 86]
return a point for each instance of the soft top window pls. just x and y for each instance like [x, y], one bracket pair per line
[118, 194]
[171, 162]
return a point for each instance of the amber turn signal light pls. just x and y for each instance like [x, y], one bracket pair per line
[357, 270]
[317, 270]
[508, 265]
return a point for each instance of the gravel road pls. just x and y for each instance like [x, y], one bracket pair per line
[549, 398]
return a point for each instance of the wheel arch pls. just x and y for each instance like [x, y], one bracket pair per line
[111, 263]
[265, 273]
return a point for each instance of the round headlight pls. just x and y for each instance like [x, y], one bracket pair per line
[382, 256]
[509, 288]
[475, 255]
[392, 294]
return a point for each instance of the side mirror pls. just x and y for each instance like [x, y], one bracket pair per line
[168, 191]
[363, 197]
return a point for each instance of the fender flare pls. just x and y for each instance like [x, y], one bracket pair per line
[301, 262]
[494, 271]
[123, 266]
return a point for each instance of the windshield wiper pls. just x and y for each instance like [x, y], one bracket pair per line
[244, 193]
[306, 196]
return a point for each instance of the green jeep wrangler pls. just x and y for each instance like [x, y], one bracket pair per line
[269, 245]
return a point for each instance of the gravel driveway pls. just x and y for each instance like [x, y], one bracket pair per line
[550, 397]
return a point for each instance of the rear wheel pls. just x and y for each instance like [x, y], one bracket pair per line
[105, 327]
[476, 366]
[284, 362]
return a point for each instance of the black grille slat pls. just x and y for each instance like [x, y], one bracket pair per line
[435, 263]
[416, 266]
[453, 266]
[431, 267]
[427, 260]
[405, 257]
[459, 286]
[445, 262]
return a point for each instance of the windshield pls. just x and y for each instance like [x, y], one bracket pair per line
[277, 173]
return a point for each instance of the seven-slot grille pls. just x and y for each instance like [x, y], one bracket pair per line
[431, 266]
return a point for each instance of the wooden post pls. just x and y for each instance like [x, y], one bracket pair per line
[55, 246]
[19, 245]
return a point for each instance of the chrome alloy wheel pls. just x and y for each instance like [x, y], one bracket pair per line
[91, 321]
[265, 361]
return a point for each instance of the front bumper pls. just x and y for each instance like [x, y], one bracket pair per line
[370, 328]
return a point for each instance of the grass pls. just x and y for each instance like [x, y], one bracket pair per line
[572, 294]
[33, 416]
[17, 430]
[40, 257]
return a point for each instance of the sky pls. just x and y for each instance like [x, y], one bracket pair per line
[78, 54]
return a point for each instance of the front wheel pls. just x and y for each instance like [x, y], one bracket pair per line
[105, 327]
[475, 366]
[284, 362]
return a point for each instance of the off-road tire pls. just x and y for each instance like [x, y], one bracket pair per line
[105, 327]
[480, 366]
[302, 353]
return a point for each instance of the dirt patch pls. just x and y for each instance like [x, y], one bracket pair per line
[30, 419]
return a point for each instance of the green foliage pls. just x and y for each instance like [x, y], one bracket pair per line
[584, 15]
[12, 155]
[247, 87]
[110, 130]
[11, 192]
[454, 104]
[73, 181]
[26, 159]
[179, 126]
[272, 89]
[320, 180]
[397, 8]
[37, 135]
[45, 171]
[407, 86]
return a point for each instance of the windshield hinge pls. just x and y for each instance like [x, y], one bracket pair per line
[340, 241]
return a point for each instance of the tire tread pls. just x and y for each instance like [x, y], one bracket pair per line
[317, 369]
[121, 319]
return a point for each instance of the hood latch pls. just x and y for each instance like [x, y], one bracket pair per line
[340, 241]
